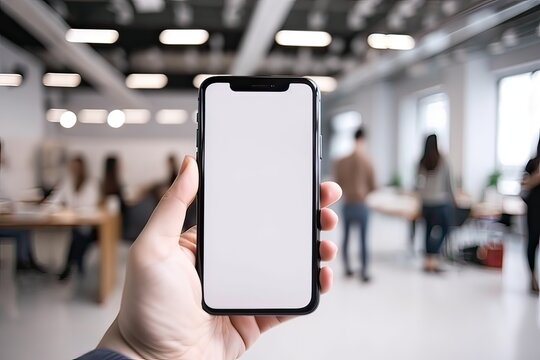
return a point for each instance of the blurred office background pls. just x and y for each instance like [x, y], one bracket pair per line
[96, 78]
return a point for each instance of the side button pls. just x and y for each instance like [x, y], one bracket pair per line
[320, 147]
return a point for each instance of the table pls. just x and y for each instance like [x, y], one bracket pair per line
[108, 225]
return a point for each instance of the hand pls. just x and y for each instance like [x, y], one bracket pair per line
[161, 315]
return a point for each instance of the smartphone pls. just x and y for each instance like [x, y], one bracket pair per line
[258, 150]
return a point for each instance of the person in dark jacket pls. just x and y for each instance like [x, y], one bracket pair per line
[531, 190]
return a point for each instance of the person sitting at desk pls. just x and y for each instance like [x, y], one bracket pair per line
[78, 193]
[23, 238]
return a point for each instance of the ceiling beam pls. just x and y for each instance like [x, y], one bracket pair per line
[47, 26]
[267, 19]
[432, 44]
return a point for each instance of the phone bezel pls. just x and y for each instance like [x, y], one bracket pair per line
[247, 83]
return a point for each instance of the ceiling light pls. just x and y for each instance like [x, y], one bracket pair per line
[325, 83]
[116, 119]
[13, 80]
[137, 116]
[68, 119]
[92, 116]
[198, 79]
[148, 6]
[92, 36]
[303, 38]
[391, 41]
[53, 115]
[183, 36]
[61, 79]
[146, 81]
[171, 116]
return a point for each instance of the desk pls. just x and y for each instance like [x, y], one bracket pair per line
[392, 203]
[108, 229]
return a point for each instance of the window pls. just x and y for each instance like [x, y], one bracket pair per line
[518, 126]
[344, 125]
[433, 118]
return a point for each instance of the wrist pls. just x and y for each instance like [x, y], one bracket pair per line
[113, 340]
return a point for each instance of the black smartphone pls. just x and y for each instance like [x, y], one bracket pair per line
[258, 149]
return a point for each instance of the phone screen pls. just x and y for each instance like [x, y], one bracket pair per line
[258, 197]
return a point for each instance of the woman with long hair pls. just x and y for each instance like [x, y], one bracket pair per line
[78, 193]
[436, 189]
[531, 189]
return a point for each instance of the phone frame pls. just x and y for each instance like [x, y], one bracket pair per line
[264, 84]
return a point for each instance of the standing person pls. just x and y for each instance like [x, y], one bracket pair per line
[355, 174]
[112, 185]
[25, 259]
[531, 191]
[436, 189]
[78, 193]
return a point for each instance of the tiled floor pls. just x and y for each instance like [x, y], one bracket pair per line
[467, 313]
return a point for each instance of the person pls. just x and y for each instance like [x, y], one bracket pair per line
[25, 259]
[112, 186]
[77, 193]
[531, 187]
[172, 169]
[355, 174]
[160, 315]
[436, 189]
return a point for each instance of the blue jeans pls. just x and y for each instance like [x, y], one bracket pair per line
[22, 243]
[356, 213]
[436, 215]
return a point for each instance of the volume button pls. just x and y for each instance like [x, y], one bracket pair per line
[320, 146]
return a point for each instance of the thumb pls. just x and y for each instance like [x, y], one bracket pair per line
[165, 224]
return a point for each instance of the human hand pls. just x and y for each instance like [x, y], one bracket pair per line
[161, 316]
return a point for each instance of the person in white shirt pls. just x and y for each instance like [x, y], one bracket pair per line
[80, 194]
[25, 259]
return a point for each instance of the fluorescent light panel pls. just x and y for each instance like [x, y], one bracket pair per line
[171, 116]
[12, 80]
[391, 41]
[93, 116]
[92, 36]
[53, 115]
[198, 79]
[137, 116]
[325, 83]
[61, 79]
[303, 38]
[146, 81]
[183, 36]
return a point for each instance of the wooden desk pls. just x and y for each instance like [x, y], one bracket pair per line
[403, 205]
[108, 229]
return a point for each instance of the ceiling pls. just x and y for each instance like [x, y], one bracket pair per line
[138, 49]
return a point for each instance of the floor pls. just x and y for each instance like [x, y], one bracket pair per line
[466, 313]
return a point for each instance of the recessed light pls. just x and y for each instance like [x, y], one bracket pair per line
[53, 115]
[92, 36]
[171, 116]
[68, 119]
[12, 80]
[146, 81]
[116, 119]
[61, 79]
[325, 83]
[137, 116]
[183, 36]
[391, 41]
[93, 116]
[303, 38]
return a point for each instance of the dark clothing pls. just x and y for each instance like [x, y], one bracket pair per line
[436, 215]
[533, 216]
[23, 244]
[80, 241]
[102, 354]
[356, 213]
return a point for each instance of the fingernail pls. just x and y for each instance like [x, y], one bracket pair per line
[184, 165]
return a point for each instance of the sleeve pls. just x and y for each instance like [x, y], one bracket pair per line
[420, 179]
[102, 354]
[450, 186]
[372, 181]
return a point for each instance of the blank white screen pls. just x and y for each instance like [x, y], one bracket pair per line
[258, 175]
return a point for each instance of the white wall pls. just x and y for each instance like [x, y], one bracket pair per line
[21, 119]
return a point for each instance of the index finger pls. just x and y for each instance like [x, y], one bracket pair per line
[330, 193]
